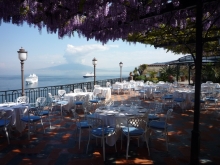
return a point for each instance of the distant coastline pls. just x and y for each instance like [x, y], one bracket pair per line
[13, 82]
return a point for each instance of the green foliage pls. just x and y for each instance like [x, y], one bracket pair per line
[142, 69]
[141, 77]
[166, 72]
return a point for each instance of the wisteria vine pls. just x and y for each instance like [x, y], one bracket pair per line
[105, 20]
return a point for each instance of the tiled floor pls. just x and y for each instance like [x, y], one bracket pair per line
[59, 146]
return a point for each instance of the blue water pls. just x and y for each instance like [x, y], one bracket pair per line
[14, 82]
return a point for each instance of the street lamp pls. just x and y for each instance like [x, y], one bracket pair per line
[94, 62]
[120, 64]
[22, 55]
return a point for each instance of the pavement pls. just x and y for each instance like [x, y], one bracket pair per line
[59, 146]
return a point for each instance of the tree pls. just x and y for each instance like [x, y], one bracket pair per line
[142, 69]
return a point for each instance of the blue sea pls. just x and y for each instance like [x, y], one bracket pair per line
[9, 82]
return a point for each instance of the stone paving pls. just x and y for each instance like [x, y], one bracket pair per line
[58, 146]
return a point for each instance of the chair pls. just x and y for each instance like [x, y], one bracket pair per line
[40, 111]
[161, 125]
[98, 130]
[85, 89]
[202, 101]
[127, 88]
[108, 84]
[167, 101]
[61, 94]
[30, 117]
[116, 88]
[156, 108]
[79, 102]
[157, 93]
[78, 90]
[81, 124]
[96, 86]
[23, 99]
[95, 100]
[213, 99]
[136, 128]
[5, 121]
[179, 100]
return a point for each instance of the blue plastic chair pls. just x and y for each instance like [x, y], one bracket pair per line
[136, 128]
[5, 121]
[161, 125]
[98, 130]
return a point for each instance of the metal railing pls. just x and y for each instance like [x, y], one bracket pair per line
[34, 93]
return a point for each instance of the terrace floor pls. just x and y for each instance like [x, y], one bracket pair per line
[58, 146]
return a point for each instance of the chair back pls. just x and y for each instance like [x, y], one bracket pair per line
[78, 90]
[108, 84]
[23, 99]
[138, 122]
[61, 93]
[97, 86]
[94, 123]
[5, 118]
[169, 112]
[41, 101]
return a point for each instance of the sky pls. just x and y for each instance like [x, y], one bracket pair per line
[47, 50]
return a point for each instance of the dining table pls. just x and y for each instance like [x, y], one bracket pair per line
[117, 116]
[187, 95]
[15, 110]
[104, 91]
[70, 98]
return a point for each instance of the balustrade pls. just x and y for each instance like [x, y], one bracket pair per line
[33, 93]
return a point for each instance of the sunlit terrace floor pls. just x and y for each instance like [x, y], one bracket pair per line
[59, 146]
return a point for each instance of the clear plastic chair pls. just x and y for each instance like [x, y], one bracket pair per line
[85, 89]
[5, 121]
[179, 100]
[136, 128]
[116, 88]
[40, 109]
[81, 124]
[22, 99]
[108, 84]
[98, 130]
[61, 93]
[30, 117]
[157, 93]
[161, 125]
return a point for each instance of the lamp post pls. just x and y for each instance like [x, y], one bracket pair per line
[120, 64]
[94, 62]
[22, 55]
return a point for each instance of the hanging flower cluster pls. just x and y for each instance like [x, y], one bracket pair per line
[105, 20]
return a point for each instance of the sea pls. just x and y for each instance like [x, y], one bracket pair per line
[13, 82]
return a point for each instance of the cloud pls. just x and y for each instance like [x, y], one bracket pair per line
[84, 54]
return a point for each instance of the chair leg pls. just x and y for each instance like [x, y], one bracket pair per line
[166, 137]
[88, 144]
[103, 143]
[79, 137]
[42, 124]
[115, 147]
[128, 141]
[145, 136]
[6, 133]
[29, 131]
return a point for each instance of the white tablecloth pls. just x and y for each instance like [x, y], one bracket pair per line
[114, 116]
[70, 97]
[102, 90]
[15, 110]
[187, 95]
